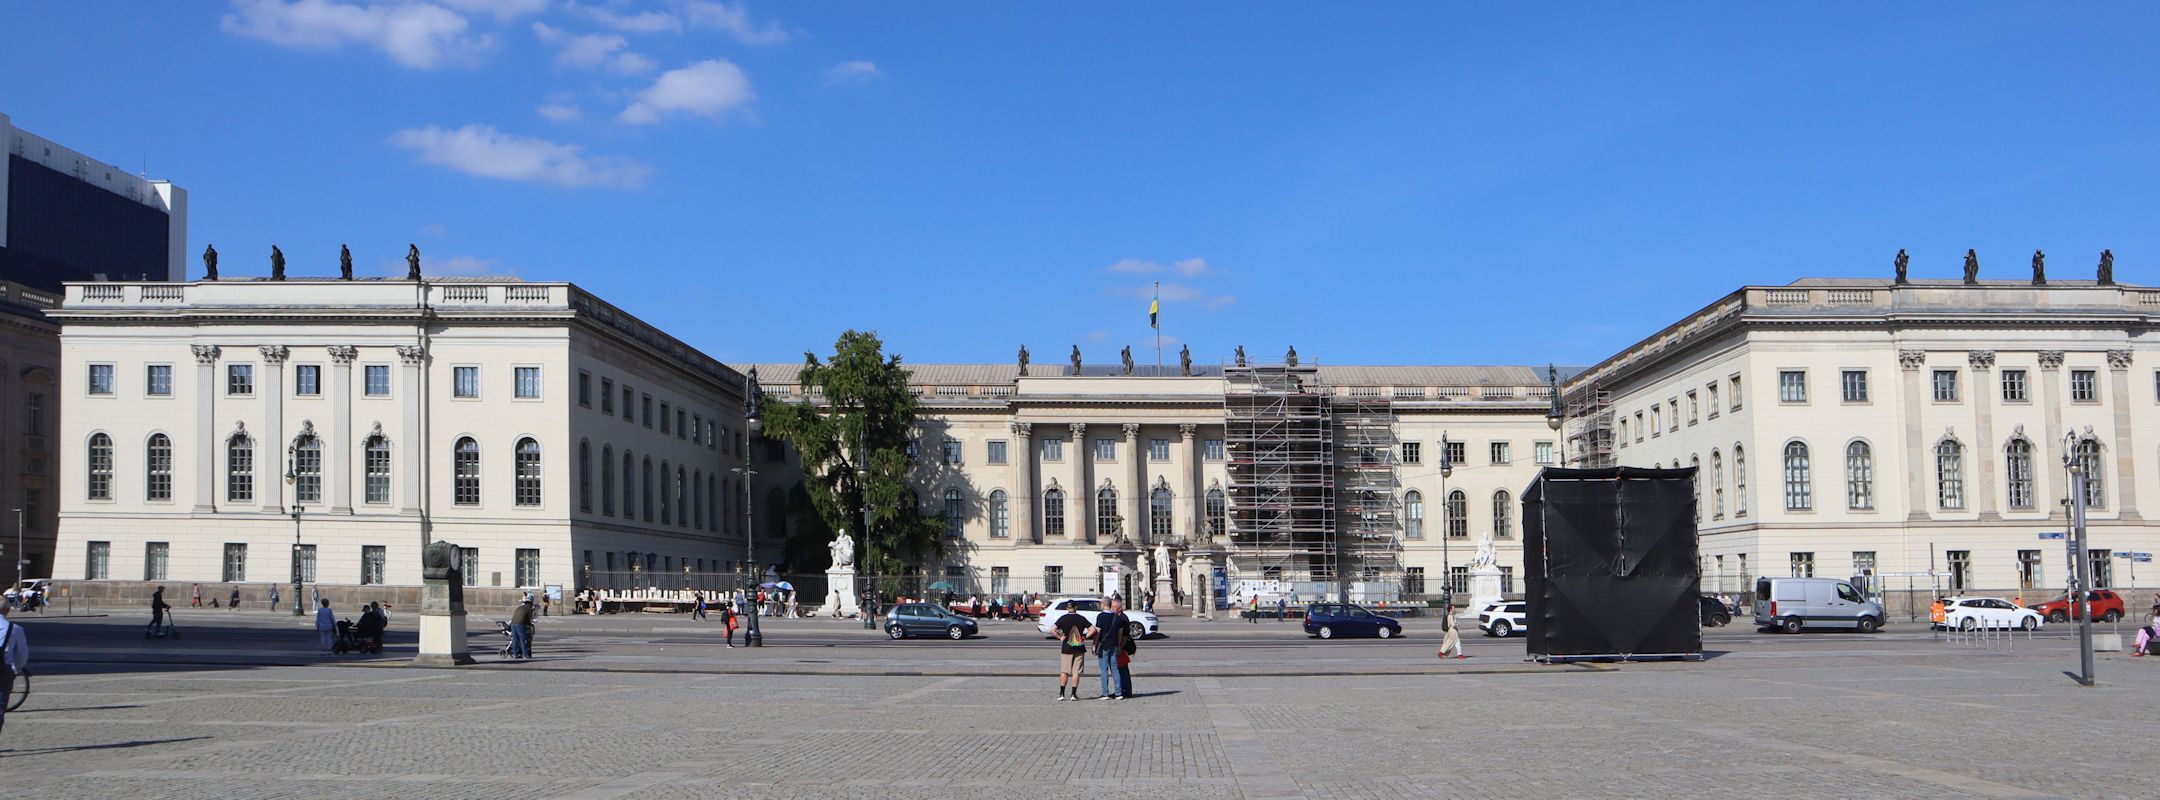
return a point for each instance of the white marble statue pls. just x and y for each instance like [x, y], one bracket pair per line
[1485, 556]
[843, 551]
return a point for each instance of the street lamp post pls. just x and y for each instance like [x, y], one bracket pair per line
[754, 420]
[299, 608]
[1447, 531]
[22, 559]
[2080, 571]
[866, 601]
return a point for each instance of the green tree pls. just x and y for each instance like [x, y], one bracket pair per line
[852, 429]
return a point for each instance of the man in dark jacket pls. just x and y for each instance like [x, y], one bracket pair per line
[521, 629]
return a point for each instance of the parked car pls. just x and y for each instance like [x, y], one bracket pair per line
[2106, 606]
[1789, 604]
[1714, 612]
[1329, 620]
[925, 619]
[1504, 619]
[1967, 613]
[1139, 624]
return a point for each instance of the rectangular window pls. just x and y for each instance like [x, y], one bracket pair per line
[465, 382]
[528, 567]
[2082, 387]
[1105, 449]
[1458, 580]
[1211, 450]
[304, 562]
[1507, 580]
[97, 562]
[156, 557]
[372, 561]
[697, 429]
[1946, 386]
[239, 379]
[1863, 563]
[1803, 565]
[682, 420]
[1413, 582]
[997, 452]
[377, 378]
[1712, 390]
[157, 380]
[711, 443]
[607, 395]
[1053, 450]
[1672, 415]
[1733, 389]
[2013, 386]
[1792, 386]
[1960, 563]
[665, 412]
[235, 563]
[645, 409]
[1053, 579]
[1694, 407]
[949, 450]
[1158, 449]
[469, 565]
[378, 470]
[629, 405]
[1639, 426]
[307, 380]
[2100, 569]
[101, 379]
[525, 382]
[584, 389]
[1854, 384]
[1542, 452]
[1000, 580]
[2028, 570]
[1503, 452]
[1413, 452]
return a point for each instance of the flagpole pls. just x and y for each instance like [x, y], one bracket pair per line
[1157, 323]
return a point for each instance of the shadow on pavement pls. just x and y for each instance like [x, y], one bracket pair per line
[87, 747]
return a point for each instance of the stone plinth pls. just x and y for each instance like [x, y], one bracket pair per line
[442, 609]
[841, 580]
[1484, 588]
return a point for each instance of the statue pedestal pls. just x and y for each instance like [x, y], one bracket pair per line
[442, 641]
[1484, 588]
[1200, 564]
[442, 609]
[1120, 570]
[841, 581]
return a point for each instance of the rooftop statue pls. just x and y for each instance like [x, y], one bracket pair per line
[1126, 356]
[2107, 268]
[209, 262]
[1023, 360]
[412, 262]
[1184, 359]
[277, 263]
[1901, 259]
[2039, 268]
[1291, 357]
[1972, 268]
[344, 263]
[1241, 355]
[1076, 359]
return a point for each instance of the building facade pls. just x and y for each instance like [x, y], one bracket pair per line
[67, 217]
[560, 441]
[29, 417]
[1913, 432]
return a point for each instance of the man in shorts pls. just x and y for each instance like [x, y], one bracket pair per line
[1072, 631]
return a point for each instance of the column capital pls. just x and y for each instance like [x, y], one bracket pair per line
[1023, 429]
[1132, 430]
[2051, 359]
[1079, 429]
[1981, 360]
[411, 354]
[274, 353]
[2118, 359]
[343, 354]
[1911, 359]
[1186, 430]
[206, 354]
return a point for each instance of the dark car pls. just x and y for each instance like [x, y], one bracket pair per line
[924, 619]
[2106, 606]
[1714, 612]
[1329, 620]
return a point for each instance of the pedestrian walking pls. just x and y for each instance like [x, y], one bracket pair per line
[1935, 613]
[835, 607]
[1109, 635]
[325, 625]
[234, 603]
[14, 657]
[158, 607]
[521, 629]
[727, 620]
[273, 597]
[315, 595]
[1072, 633]
[1252, 610]
[1282, 611]
[697, 606]
[1450, 638]
[195, 593]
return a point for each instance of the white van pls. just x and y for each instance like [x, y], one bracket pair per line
[1789, 604]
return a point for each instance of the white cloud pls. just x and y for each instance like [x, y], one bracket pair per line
[558, 111]
[592, 50]
[640, 22]
[499, 9]
[706, 88]
[734, 20]
[850, 73]
[629, 63]
[483, 151]
[1189, 268]
[434, 230]
[416, 34]
[1174, 292]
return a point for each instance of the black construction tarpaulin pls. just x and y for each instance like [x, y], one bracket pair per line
[1609, 563]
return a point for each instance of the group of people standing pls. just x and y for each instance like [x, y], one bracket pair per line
[1107, 638]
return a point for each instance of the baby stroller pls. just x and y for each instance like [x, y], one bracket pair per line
[349, 641]
[508, 641]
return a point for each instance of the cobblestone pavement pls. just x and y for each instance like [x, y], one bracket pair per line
[1809, 721]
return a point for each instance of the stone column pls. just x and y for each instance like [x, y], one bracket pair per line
[413, 357]
[207, 441]
[337, 442]
[1984, 446]
[1187, 486]
[1080, 499]
[1026, 499]
[1916, 460]
[2125, 445]
[2045, 474]
[270, 455]
[1136, 483]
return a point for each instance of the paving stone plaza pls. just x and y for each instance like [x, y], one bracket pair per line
[658, 708]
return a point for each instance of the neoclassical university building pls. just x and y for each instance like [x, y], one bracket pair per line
[1913, 432]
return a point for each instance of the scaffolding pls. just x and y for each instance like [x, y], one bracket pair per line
[1590, 428]
[1278, 437]
[1368, 525]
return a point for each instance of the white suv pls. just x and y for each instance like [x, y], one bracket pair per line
[1143, 623]
[1504, 619]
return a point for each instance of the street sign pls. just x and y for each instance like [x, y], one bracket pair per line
[2144, 559]
[2051, 536]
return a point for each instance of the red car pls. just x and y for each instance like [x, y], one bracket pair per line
[2106, 606]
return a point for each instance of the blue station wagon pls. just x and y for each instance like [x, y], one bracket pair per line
[924, 619]
[1330, 620]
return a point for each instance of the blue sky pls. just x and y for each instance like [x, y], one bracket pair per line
[1375, 183]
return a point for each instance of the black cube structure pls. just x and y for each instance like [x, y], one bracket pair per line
[1609, 564]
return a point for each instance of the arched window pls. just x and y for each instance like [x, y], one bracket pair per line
[727, 505]
[1000, 516]
[1503, 515]
[377, 489]
[645, 489]
[157, 480]
[1717, 485]
[667, 505]
[1739, 479]
[2088, 457]
[1413, 503]
[607, 480]
[955, 514]
[307, 470]
[240, 469]
[1950, 474]
[1218, 512]
[584, 476]
[712, 503]
[528, 472]
[1859, 476]
[682, 495]
[1457, 515]
[465, 472]
[1159, 514]
[101, 467]
[1799, 478]
[697, 499]
[1694, 462]
[1054, 512]
[2018, 468]
[629, 485]
[1106, 521]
